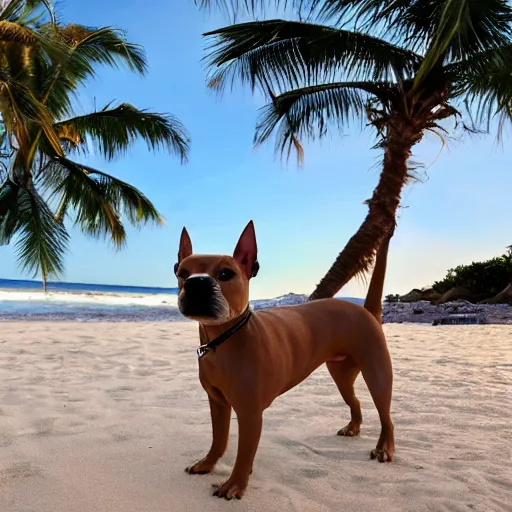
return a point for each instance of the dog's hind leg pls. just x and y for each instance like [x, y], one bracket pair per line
[378, 374]
[344, 374]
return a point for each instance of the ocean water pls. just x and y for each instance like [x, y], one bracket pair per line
[25, 300]
[37, 286]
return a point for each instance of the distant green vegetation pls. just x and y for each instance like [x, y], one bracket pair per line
[483, 279]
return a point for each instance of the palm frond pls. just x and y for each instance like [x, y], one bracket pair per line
[234, 8]
[402, 20]
[57, 85]
[308, 112]
[465, 27]
[480, 64]
[25, 109]
[9, 219]
[41, 241]
[96, 214]
[98, 199]
[484, 84]
[472, 24]
[115, 129]
[11, 10]
[105, 45]
[45, 4]
[121, 196]
[87, 48]
[20, 10]
[292, 54]
[125, 197]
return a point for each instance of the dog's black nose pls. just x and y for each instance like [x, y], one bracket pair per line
[198, 285]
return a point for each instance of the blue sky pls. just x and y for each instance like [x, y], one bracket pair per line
[303, 217]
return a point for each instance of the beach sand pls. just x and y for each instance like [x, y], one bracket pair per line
[105, 417]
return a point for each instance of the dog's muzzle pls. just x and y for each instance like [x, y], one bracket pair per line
[200, 297]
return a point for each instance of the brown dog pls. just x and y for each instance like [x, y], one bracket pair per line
[246, 360]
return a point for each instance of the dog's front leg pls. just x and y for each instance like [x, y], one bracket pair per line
[220, 412]
[249, 433]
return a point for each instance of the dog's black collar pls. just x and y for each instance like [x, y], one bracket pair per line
[219, 340]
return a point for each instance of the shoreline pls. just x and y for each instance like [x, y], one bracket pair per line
[169, 314]
[105, 306]
[41, 293]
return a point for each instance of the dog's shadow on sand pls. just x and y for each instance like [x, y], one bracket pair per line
[330, 447]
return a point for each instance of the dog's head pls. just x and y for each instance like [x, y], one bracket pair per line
[214, 289]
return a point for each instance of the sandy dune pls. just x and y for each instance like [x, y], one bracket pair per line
[105, 417]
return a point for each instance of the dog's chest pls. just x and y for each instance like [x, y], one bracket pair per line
[212, 374]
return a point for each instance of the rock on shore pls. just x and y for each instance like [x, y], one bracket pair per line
[425, 312]
[421, 311]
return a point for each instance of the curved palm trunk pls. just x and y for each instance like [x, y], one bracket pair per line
[358, 255]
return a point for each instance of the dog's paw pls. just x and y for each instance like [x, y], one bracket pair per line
[202, 467]
[381, 455]
[229, 490]
[351, 430]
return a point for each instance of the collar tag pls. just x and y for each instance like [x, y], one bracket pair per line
[202, 351]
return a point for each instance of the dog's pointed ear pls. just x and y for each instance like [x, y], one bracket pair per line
[246, 251]
[185, 249]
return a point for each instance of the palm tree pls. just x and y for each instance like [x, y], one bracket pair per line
[43, 185]
[403, 67]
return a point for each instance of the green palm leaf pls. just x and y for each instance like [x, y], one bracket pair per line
[125, 197]
[24, 109]
[98, 199]
[291, 54]
[41, 241]
[87, 48]
[121, 196]
[479, 63]
[233, 8]
[95, 211]
[489, 94]
[463, 24]
[9, 219]
[115, 129]
[105, 45]
[465, 27]
[18, 10]
[308, 112]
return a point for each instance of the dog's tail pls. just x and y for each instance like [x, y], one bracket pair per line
[373, 301]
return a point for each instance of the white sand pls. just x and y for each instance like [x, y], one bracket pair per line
[105, 417]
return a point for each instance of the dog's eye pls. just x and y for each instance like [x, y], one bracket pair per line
[226, 274]
[183, 274]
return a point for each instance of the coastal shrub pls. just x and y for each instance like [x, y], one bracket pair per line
[484, 279]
